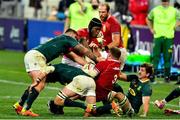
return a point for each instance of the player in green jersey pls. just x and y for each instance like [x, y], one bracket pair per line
[78, 84]
[140, 90]
[36, 66]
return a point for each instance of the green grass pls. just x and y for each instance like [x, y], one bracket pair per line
[14, 79]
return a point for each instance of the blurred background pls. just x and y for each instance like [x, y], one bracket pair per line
[25, 24]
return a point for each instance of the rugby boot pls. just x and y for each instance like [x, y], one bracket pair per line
[171, 111]
[159, 103]
[17, 107]
[29, 112]
[115, 108]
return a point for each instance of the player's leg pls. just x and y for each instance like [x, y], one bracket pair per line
[111, 105]
[36, 67]
[174, 94]
[156, 54]
[167, 54]
[124, 104]
[33, 94]
[62, 98]
[18, 106]
[89, 87]
[85, 86]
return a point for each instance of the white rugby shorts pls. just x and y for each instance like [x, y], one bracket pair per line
[83, 85]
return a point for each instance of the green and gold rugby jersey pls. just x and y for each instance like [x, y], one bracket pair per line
[57, 46]
[136, 91]
[64, 74]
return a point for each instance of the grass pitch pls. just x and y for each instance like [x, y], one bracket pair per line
[14, 80]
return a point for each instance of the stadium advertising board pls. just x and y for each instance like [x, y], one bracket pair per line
[11, 34]
[144, 41]
[40, 31]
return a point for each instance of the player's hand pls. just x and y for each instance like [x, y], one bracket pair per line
[100, 59]
[93, 45]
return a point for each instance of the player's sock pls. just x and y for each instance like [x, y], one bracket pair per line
[33, 94]
[102, 109]
[90, 110]
[108, 111]
[174, 94]
[125, 104]
[55, 109]
[71, 103]
[24, 97]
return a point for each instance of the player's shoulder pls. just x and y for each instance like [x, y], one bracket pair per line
[83, 31]
[113, 19]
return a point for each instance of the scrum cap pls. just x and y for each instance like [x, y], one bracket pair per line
[94, 23]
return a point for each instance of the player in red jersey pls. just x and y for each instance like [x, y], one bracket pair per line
[108, 72]
[111, 30]
[85, 36]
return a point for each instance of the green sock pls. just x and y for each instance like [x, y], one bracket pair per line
[71, 103]
[24, 97]
[33, 94]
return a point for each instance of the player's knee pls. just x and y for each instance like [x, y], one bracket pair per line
[111, 95]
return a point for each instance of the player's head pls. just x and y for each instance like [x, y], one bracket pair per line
[94, 27]
[165, 3]
[115, 53]
[104, 11]
[72, 33]
[146, 70]
[95, 4]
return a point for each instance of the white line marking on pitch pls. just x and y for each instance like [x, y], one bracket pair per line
[51, 88]
[25, 84]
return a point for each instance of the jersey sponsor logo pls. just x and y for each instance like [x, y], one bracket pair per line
[116, 68]
[132, 92]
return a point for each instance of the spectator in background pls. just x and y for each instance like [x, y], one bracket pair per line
[36, 4]
[94, 9]
[53, 14]
[154, 3]
[112, 5]
[121, 6]
[177, 4]
[162, 21]
[63, 8]
[139, 11]
[78, 15]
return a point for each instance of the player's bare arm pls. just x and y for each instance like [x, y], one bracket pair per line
[146, 101]
[116, 40]
[73, 56]
[122, 76]
[82, 50]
